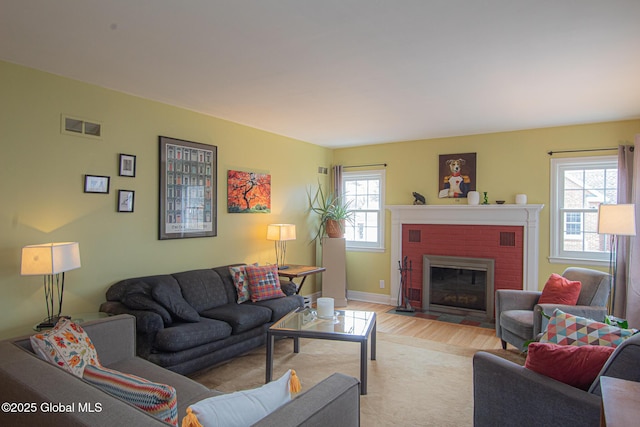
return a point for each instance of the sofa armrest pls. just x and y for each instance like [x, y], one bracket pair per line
[540, 322]
[335, 402]
[507, 394]
[511, 299]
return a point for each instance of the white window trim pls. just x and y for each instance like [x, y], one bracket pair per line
[556, 255]
[371, 247]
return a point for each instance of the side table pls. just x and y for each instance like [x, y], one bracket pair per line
[620, 402]
[294, 271]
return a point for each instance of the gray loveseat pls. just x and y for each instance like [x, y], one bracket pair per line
[507, 394]
[27, 379]
[190, 320]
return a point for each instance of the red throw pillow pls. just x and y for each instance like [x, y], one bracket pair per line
[560, 290]
[570, 364]
[264, 282]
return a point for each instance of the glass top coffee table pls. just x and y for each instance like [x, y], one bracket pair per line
[346, 325]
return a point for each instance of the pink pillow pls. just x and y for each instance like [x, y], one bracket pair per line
[570, 364]
[264, 282]
[560, 290]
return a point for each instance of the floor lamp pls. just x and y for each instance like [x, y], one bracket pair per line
[616, 220]
[280, 233]
[50, 260]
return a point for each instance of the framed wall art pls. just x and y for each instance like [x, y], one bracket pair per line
[457, 175]
[125, 200]
[96, 184]
[127, 165]
[248, 192]
[188, 197]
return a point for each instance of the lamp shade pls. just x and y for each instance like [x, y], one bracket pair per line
[618, 220]
[50, 258]
[281, 232]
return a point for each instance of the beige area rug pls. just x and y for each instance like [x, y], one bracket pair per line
[413, 382]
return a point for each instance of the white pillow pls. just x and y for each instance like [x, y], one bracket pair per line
[242, 408]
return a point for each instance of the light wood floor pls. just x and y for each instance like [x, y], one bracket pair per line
[447, 333]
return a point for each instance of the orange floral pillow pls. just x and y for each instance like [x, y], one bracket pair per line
[66, 345]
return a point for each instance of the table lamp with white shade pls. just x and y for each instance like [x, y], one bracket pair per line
[280, 234]
[51, 260]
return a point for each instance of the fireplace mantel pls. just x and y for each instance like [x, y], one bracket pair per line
[526, 216]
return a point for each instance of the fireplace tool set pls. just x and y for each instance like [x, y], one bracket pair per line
[405, 279]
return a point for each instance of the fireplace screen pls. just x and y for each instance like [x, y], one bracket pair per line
[458, 285]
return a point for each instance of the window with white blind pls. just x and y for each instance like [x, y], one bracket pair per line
[578, 187]
[364, 190]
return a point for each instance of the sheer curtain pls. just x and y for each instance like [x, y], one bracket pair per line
[632, 282]
[625, 195]
[337, 180]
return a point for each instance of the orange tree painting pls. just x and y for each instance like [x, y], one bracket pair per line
[248, 192]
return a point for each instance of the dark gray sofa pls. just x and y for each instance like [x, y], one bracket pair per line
[26, 379]
[190, 320]
[507, 394]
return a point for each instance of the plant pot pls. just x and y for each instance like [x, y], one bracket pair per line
[335, 229]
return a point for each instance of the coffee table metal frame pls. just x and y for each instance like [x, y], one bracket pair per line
[367, 334]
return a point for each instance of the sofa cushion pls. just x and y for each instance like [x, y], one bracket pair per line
[169, 295]
[140, 301]
[202, 289]
[560, 290]
[182, 336]
[159, 400]
[66, 345]
[573, 365]
[241, 282]
[567, 329]
[240, 409]
[264, 282]
[281, 306]
[241, 317]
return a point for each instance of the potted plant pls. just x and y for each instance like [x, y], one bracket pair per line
[333, 211]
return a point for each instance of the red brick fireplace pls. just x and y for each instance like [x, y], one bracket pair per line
[507, 234]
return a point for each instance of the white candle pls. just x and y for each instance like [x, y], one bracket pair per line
[521, 199]
[325, 308]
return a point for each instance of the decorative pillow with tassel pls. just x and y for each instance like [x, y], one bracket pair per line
[242, 408]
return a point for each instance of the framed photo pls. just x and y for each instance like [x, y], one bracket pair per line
[127, 165]
[248, 192]
[457, 175]
[96, 184]
[125, 200]
[188, 196]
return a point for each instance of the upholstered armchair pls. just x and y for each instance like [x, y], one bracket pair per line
[519, 316]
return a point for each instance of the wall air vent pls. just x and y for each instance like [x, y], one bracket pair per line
[81, 127]
[507, 238]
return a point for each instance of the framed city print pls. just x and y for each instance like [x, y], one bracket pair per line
[188, 196]
[127, 165]
[96, 184]
[125, 200]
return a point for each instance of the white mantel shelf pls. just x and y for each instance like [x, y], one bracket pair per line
[526, 216]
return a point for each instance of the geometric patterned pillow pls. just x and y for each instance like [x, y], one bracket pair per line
[159, 400]
[66, 345]
[241, 283]
[567, 329]
[264, 282]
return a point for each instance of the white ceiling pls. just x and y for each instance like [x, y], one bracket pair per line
[347, 72]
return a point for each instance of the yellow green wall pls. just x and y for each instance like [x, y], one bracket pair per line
[508, 163]
[41, 179]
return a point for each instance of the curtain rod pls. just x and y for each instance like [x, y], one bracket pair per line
[364, 166]
[551, 153]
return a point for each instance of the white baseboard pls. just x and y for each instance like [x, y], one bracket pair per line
[371, 297]
[359, 296]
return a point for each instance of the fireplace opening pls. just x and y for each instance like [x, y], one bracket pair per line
[458, 285]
